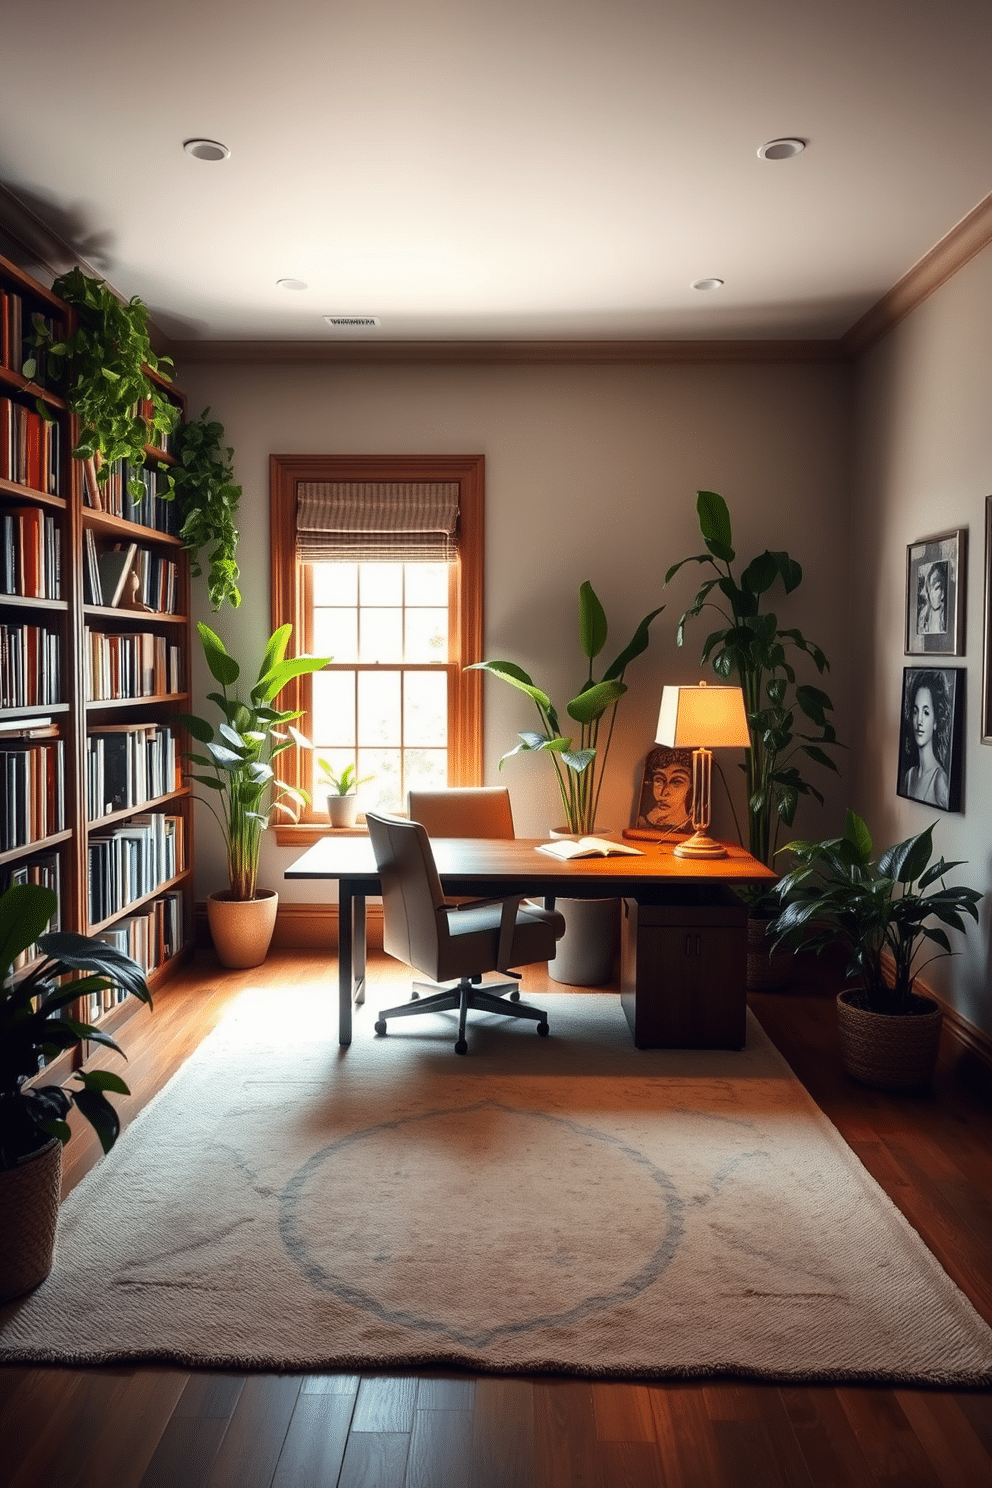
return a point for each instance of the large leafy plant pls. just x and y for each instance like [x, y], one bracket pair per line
[788, 720]
[208, 499]
[244, 792]
[879, 912]
[38, 1022]
[578, 764]
[102, 367]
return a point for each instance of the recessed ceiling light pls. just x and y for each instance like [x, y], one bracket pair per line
[708, 284]
[204, 149]
[291, 284]
[781, 149]
[352, 322]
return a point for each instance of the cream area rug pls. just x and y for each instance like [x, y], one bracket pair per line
[569, 1204]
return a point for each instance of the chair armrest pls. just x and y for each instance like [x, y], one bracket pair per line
[507, 922]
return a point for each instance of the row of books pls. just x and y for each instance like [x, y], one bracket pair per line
[30, 448]
[153, 508]
[151, 937]
[32, 553]
[127, 862]
[30, 666]
[131, 666]
[32, 788]
[16, 321]
[129, 577]
[42, 869]
[127, 766]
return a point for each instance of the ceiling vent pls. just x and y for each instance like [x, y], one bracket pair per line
[352, 322]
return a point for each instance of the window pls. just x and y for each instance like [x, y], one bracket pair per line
[396, 699]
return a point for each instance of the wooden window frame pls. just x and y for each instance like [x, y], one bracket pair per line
[291, 597]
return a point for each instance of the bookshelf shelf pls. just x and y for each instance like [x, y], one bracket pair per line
[118, 528]
[146, 899]
[178, 702]
[81, 521]
[29, 494]
[29, 602]
[150, 805]
[44, 844]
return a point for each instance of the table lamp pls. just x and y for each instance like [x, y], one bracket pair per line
[702, 719]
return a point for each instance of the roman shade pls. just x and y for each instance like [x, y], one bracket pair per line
[384, 521]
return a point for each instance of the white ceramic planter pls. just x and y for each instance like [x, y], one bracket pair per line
[586, 953]
[341, 810]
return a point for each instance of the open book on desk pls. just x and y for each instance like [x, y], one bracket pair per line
[586, 847]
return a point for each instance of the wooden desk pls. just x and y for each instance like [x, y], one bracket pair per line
[488, 868]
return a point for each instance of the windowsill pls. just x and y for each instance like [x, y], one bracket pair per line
[304, 834]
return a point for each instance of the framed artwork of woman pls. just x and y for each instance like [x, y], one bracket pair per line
[930, 736]
[935, 595]
[664, 805]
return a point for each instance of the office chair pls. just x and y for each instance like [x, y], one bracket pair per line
[463, 811]
[450, 941]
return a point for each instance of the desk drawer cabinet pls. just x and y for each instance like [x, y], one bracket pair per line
[683, 979]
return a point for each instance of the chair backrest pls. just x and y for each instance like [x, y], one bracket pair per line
[463, 811]
[411, 891]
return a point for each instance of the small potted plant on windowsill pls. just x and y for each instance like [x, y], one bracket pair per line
[37, 1024]
[342, 794]
[881, 913]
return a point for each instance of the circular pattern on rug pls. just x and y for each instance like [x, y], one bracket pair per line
[423, 1221]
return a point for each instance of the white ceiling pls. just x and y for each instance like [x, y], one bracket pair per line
[495, 169]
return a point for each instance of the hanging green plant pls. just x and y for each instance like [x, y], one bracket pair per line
[208, 502]
[101, 367]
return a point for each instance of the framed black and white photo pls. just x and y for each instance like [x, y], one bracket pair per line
[935, 604]
[987, 657]
[930, 736]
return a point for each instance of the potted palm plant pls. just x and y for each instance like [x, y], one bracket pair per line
[244, 792]
[883, 914]
[788, 720]
[37, 1023]
[586, 951]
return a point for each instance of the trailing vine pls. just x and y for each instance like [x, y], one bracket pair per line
[208, 501]
[101, 366]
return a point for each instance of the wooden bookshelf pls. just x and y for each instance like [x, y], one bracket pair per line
[51, 803]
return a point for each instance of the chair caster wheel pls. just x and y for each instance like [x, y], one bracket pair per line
[414, 996]
[461, 1047]
[543, 1030]
[514, 996]
[380, 1026]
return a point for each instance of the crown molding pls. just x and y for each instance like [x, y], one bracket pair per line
[965, 239]
[464, 353]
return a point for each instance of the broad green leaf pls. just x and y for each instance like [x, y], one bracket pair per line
[857, 834]
[592, 621]
[593, 703]
[223, 667]
[714, 524]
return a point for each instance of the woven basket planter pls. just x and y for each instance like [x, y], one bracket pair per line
[889, 1052]
[29, 1211]
[767, 970]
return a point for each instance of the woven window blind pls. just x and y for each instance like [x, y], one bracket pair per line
[381, 521]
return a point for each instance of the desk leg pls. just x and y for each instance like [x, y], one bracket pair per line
[351, 956]
[358, 951]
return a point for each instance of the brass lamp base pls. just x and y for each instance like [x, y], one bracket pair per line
[699, 846]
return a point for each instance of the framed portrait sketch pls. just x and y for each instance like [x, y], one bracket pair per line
[931, 736]
[665, 802]
[935, 604]
[987, 657]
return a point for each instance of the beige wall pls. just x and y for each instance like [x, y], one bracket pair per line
[591, 474]
[924, 465]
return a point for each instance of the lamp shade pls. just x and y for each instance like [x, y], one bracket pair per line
[703, 717]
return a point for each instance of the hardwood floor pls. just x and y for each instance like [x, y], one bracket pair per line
[170, 1428]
